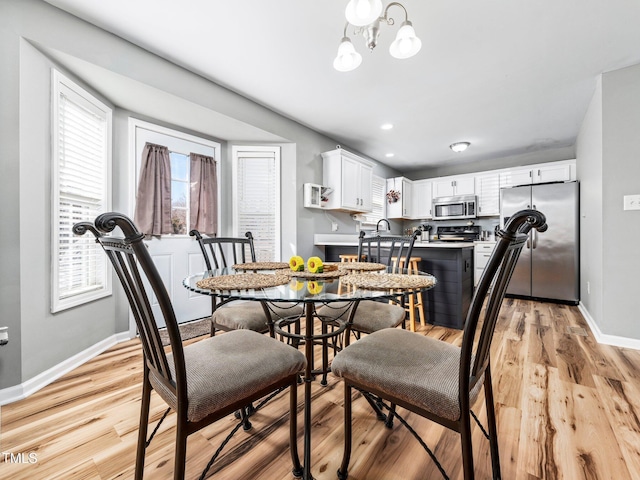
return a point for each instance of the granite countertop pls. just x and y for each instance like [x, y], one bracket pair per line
[347, 240]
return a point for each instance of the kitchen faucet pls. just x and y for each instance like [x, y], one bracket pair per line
[378, 225]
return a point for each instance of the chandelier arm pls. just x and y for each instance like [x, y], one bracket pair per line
[390, 20]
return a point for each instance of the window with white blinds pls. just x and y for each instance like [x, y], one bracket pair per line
[378, 186]
[256, 172]
[81, 186]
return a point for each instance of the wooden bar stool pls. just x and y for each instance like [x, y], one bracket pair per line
[415, 299]
[346, 258]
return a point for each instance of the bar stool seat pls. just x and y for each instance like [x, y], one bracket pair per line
[415, 299]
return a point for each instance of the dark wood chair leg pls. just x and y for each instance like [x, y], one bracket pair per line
[343, 472]
[491, 424]
[389, 422]
[181, 450]
[144, 423]
[467, 449]
[293, 429]
[244, 416]
[325, 356]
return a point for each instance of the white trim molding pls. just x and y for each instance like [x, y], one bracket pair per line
[613, 340]
[23, 390]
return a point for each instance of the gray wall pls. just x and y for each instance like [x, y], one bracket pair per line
[589, 173]
[608, 168]
[620, 176]
[34, 36]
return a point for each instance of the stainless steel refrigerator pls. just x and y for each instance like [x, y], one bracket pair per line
[548, 267]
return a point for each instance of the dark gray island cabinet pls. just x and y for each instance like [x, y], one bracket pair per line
[448, 302]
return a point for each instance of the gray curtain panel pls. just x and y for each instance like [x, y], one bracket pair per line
[204, 194]
[153, 203]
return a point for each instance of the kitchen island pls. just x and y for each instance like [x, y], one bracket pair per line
[450, 262]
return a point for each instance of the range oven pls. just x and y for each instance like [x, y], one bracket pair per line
[467, 233]
[451, 208]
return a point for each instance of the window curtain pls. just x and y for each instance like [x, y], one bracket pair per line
[153, 203]
[204, 192]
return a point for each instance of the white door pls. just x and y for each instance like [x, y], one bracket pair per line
[175, 256]
[256, 198]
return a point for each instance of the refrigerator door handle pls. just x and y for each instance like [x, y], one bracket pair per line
[528, 241]
[535, 238]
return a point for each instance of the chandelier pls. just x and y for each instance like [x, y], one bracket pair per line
[367, 16]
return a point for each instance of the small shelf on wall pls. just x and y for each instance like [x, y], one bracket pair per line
[316, 196]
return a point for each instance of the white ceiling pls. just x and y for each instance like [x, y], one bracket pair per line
[509, 76]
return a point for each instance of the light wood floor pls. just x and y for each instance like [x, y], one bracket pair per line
[568, 408]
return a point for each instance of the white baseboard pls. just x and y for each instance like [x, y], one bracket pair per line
[605, 338]
[18, 392]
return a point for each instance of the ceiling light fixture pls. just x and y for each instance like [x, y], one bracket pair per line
[367, 15]
[389, 155]
[459, 146]
[386, 126]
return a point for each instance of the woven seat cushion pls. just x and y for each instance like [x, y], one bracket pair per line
[224, 369]
[419, 370]
[370, 316]
[250, 315]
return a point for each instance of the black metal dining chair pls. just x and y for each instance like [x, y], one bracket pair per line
[432, 378]
[203, 381]
[370, 315]
[227, 315]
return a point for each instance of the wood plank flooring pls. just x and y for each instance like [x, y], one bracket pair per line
[567, 407]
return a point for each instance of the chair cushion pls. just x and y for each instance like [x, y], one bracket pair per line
[226, 368]
[370, 316]
[250, 315]
[419, 370]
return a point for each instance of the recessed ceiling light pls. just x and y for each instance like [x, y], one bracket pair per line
[459, 146]
[386, 126]
[389, 155]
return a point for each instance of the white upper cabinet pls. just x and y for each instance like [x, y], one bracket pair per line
[488, 191]
[401, 208]
[552, 173]
[543, 173]
[456, 185]
[422, 200]
[350, 177]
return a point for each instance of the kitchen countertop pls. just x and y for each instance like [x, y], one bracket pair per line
[347, 240]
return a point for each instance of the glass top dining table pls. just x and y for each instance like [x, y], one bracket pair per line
[277, 286]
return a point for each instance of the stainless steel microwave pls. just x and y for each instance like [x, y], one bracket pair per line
[450, 208]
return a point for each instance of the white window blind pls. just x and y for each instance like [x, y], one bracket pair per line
[81, 191]
[378, 185]
[257, 180]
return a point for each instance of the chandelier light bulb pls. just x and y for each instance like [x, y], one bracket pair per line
[406, 44]
[362, 12]
[347, 59]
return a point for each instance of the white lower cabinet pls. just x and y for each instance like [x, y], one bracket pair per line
[481, 254]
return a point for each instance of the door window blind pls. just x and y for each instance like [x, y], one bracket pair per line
[81, 191]
[258, 202]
